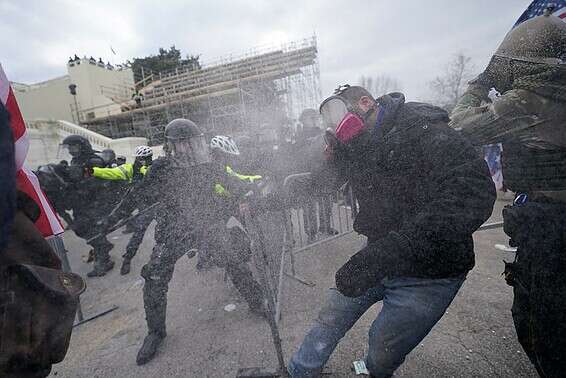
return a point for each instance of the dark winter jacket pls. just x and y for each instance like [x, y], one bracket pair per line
[91, 198]
[422, 190]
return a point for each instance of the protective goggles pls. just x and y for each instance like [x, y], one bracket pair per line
[341, 119]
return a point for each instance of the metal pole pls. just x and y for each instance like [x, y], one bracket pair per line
[259, 247]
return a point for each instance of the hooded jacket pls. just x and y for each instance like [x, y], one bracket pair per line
[422, 191]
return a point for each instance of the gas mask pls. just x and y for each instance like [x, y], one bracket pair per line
[189, 151]
[343, 122]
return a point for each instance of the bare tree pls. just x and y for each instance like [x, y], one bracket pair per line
[380, 85]
[449, 87]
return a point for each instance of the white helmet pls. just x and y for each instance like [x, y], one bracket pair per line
[225, 144]
[143, 151]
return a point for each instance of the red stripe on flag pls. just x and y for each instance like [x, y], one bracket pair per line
[48, 222]
[16, 119]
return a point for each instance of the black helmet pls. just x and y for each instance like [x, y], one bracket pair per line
[76, 145]
[185, 142]
[73, 140]
[108, 155]
[181, 128]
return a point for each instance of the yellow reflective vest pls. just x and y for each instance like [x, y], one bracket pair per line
[124, 172]
[222, 191]
[249, 178]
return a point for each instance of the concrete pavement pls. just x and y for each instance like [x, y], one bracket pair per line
[475, 338]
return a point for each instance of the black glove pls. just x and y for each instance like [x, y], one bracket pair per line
[364, 270]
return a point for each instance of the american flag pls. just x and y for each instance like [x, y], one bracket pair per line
[537, 7]
[48, 223]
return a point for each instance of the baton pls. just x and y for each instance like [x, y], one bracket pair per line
[123, 222]
[126, 195]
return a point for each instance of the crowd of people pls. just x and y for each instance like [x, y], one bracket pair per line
[148, 190]
[422, 188]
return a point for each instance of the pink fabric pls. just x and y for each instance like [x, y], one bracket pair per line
[350, 126]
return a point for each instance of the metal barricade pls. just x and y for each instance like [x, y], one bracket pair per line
[276, 234]
[321, 218]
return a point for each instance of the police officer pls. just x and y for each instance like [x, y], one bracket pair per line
[529, 119]
[225, 152]
[109, 157]
[196, 199]
[87, 201]
[133, 174]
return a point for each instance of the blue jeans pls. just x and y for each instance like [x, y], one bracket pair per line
[411, 307]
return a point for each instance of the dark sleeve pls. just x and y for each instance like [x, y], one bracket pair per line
[461, 199]
[143, 193]
[149, 190]
[325, 178]
[463, 191]
[7, 178]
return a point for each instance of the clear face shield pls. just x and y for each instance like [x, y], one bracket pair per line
[342, 124]
[68, 151]
[333, 110]
[191, 151]
[107, 156]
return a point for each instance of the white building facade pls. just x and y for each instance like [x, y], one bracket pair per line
[101, 90]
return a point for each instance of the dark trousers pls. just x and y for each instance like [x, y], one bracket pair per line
[85, 228]
[140, 227]
[159, 271]
[538, 277]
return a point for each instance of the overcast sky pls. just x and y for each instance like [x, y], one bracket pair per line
[410, 40]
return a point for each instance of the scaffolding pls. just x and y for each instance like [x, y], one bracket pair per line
[250, 94]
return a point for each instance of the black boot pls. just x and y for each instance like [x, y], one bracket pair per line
[155, 305]
[102, 262]
[149, 347]
[101, 268]
[125, 268]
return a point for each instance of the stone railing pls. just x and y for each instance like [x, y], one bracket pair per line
[46, 135]
[65, 128]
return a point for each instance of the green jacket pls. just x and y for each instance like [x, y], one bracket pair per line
[124, 172]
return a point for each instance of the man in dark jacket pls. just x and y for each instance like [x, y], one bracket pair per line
[422, 190]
